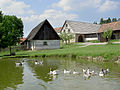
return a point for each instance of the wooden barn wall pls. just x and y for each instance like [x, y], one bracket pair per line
[46, 33]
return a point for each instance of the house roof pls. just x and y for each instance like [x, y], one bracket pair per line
[58, 29]
[35, 30]
[83, 27]
[114, 26]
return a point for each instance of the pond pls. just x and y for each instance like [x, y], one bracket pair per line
[31, 76]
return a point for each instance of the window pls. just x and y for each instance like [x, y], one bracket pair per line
[68, 30]
[66, 25]
[44, 43]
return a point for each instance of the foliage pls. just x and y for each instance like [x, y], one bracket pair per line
[109, 20]
[66, 37]
[11, 30]
[107, 35]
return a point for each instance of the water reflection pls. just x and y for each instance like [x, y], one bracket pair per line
[10, 75]
[31, 76]
[42, 70]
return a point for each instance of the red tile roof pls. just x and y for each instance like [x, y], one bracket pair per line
[22, 40]
[58, 29]
[114, 26]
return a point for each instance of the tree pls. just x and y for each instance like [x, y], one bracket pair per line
[101, 21]
[108, 34]
[109, 20]
[13, 30]
[114, 20]
[66, 37]
[95, 22]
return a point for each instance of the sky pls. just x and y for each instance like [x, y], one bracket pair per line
[32, 12]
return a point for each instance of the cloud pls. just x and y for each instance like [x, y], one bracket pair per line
[15, 7]
[55, 17]
[108, 6]
[77, 5]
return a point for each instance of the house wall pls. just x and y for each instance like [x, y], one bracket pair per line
[39, 44]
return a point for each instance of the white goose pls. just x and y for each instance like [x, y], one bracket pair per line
[75, 72]
[101, 73]
[36, 62]
[67, 72]
[54, 72]
[20, 63]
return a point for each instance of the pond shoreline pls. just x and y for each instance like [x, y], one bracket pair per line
[116, 59]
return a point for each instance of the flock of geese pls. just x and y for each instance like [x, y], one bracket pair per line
[86, 72]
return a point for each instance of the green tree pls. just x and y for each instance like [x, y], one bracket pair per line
[109, 20]
[107, 34]
[114, 20]
[95, 22]
[13, 30]
[101, 21]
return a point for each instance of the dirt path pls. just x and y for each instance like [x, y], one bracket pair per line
[89, 43]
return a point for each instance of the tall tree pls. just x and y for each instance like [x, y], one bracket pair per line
[13, 30]
[101, 21]
[114, 20]
[107, 34]
[109, 20]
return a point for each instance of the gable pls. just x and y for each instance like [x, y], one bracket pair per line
[43, 31]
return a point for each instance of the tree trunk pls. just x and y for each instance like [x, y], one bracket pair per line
[10, 50]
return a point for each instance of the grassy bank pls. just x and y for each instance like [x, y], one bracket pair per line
[74, 50]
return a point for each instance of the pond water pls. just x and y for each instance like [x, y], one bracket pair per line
[35, 77]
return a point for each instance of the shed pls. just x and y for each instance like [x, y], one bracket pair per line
[43, 36]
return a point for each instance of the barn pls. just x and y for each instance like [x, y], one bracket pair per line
[115, 26]
[82, 31]
[43, 36]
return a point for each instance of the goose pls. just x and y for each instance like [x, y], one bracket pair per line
[41, 62]
[85, 75]
[54, 72]
[101, 73]
[84, 70]
[67, 72]
[74, 72]
[19, 64]
[36, 62]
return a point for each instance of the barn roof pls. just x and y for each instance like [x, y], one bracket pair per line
[114, 26]
[83, 27]
[35, 30]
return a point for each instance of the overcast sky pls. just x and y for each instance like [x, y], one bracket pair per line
[32, 12]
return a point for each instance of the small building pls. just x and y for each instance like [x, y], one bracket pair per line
[82, 31]
[58, 29]
[43, 36]
[115, 26]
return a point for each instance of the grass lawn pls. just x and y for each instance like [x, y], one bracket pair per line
[107, 51]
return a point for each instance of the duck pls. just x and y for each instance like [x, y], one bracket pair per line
[75, 72]
[101, 73]
[36, 62]
[67, 72]
[86, 75]
[19, 64]
[84, 70]
[54, 72]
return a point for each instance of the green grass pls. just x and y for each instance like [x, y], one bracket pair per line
[74, 50]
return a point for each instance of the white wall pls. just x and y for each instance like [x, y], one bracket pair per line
[51, 44]
[87, 39]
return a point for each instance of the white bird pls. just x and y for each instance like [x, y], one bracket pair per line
[101, 73]
[84, 70]
[75, 72]
[20, 63]
[67, 72]
[54, 72]
[85, 75]
[36, 62]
